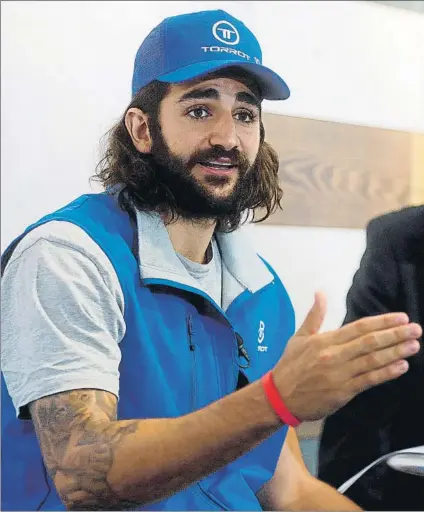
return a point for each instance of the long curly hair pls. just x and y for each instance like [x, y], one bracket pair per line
[132, 173]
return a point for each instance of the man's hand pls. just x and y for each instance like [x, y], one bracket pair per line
[319, 373]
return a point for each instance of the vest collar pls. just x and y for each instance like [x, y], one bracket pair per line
[158, 259]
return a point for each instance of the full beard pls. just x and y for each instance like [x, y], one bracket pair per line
[191, 199]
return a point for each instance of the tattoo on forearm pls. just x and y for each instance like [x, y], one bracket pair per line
[77, 440]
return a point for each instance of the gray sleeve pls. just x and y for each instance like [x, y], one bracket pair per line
[62, 316]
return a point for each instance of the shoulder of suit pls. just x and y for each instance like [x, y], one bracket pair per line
[399, 223]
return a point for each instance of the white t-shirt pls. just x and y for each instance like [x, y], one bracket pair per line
[62, 311]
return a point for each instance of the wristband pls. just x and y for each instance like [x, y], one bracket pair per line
[277, 402]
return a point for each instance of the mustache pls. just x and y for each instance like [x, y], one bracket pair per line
[236, 158]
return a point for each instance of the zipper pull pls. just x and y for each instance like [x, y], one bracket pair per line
[190, 333]
[242, 352]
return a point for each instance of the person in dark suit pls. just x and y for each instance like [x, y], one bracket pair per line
[390, 416]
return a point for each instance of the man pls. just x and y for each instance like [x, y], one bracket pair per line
[150, 294]
[388, 417]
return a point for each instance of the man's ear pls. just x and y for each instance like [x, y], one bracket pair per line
[136, 122]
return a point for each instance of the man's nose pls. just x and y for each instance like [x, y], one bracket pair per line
[224, 133]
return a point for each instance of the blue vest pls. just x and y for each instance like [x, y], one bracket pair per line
[179, 354]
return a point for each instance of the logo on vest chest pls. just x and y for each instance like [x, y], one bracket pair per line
[261, 337]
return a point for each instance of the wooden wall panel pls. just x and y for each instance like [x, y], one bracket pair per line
[341, 175]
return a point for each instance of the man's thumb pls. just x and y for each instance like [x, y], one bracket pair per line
[315, 317]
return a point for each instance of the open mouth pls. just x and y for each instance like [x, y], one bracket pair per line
[218, 166]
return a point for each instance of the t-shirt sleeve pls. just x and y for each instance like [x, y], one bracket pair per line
[62, 316]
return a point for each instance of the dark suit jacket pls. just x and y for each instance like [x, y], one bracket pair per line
[390, 416]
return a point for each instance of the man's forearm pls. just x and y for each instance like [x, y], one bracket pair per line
[312, 494]
[107, 464]
[172, 454]
[318, 495]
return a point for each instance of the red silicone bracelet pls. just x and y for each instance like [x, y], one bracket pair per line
[277, 402]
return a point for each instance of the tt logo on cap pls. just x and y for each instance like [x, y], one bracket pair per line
[225, 32]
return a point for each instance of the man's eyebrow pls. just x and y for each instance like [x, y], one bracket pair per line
[200, 94]
[212, 94]
[247, 97]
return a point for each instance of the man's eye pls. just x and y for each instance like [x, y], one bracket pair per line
[198, 113]
[245, 116]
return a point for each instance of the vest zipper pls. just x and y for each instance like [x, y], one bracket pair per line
[192, 348]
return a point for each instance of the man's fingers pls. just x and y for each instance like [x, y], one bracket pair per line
[371, 379]
[379, 340]
[381, 358]
[368, 325]
[315, 317]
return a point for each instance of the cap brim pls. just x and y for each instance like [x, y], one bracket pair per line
[273, 87]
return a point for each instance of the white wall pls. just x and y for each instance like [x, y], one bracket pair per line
[66, 74]
[356, 62]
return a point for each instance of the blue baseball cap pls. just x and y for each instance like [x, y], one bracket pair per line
[188, 46]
